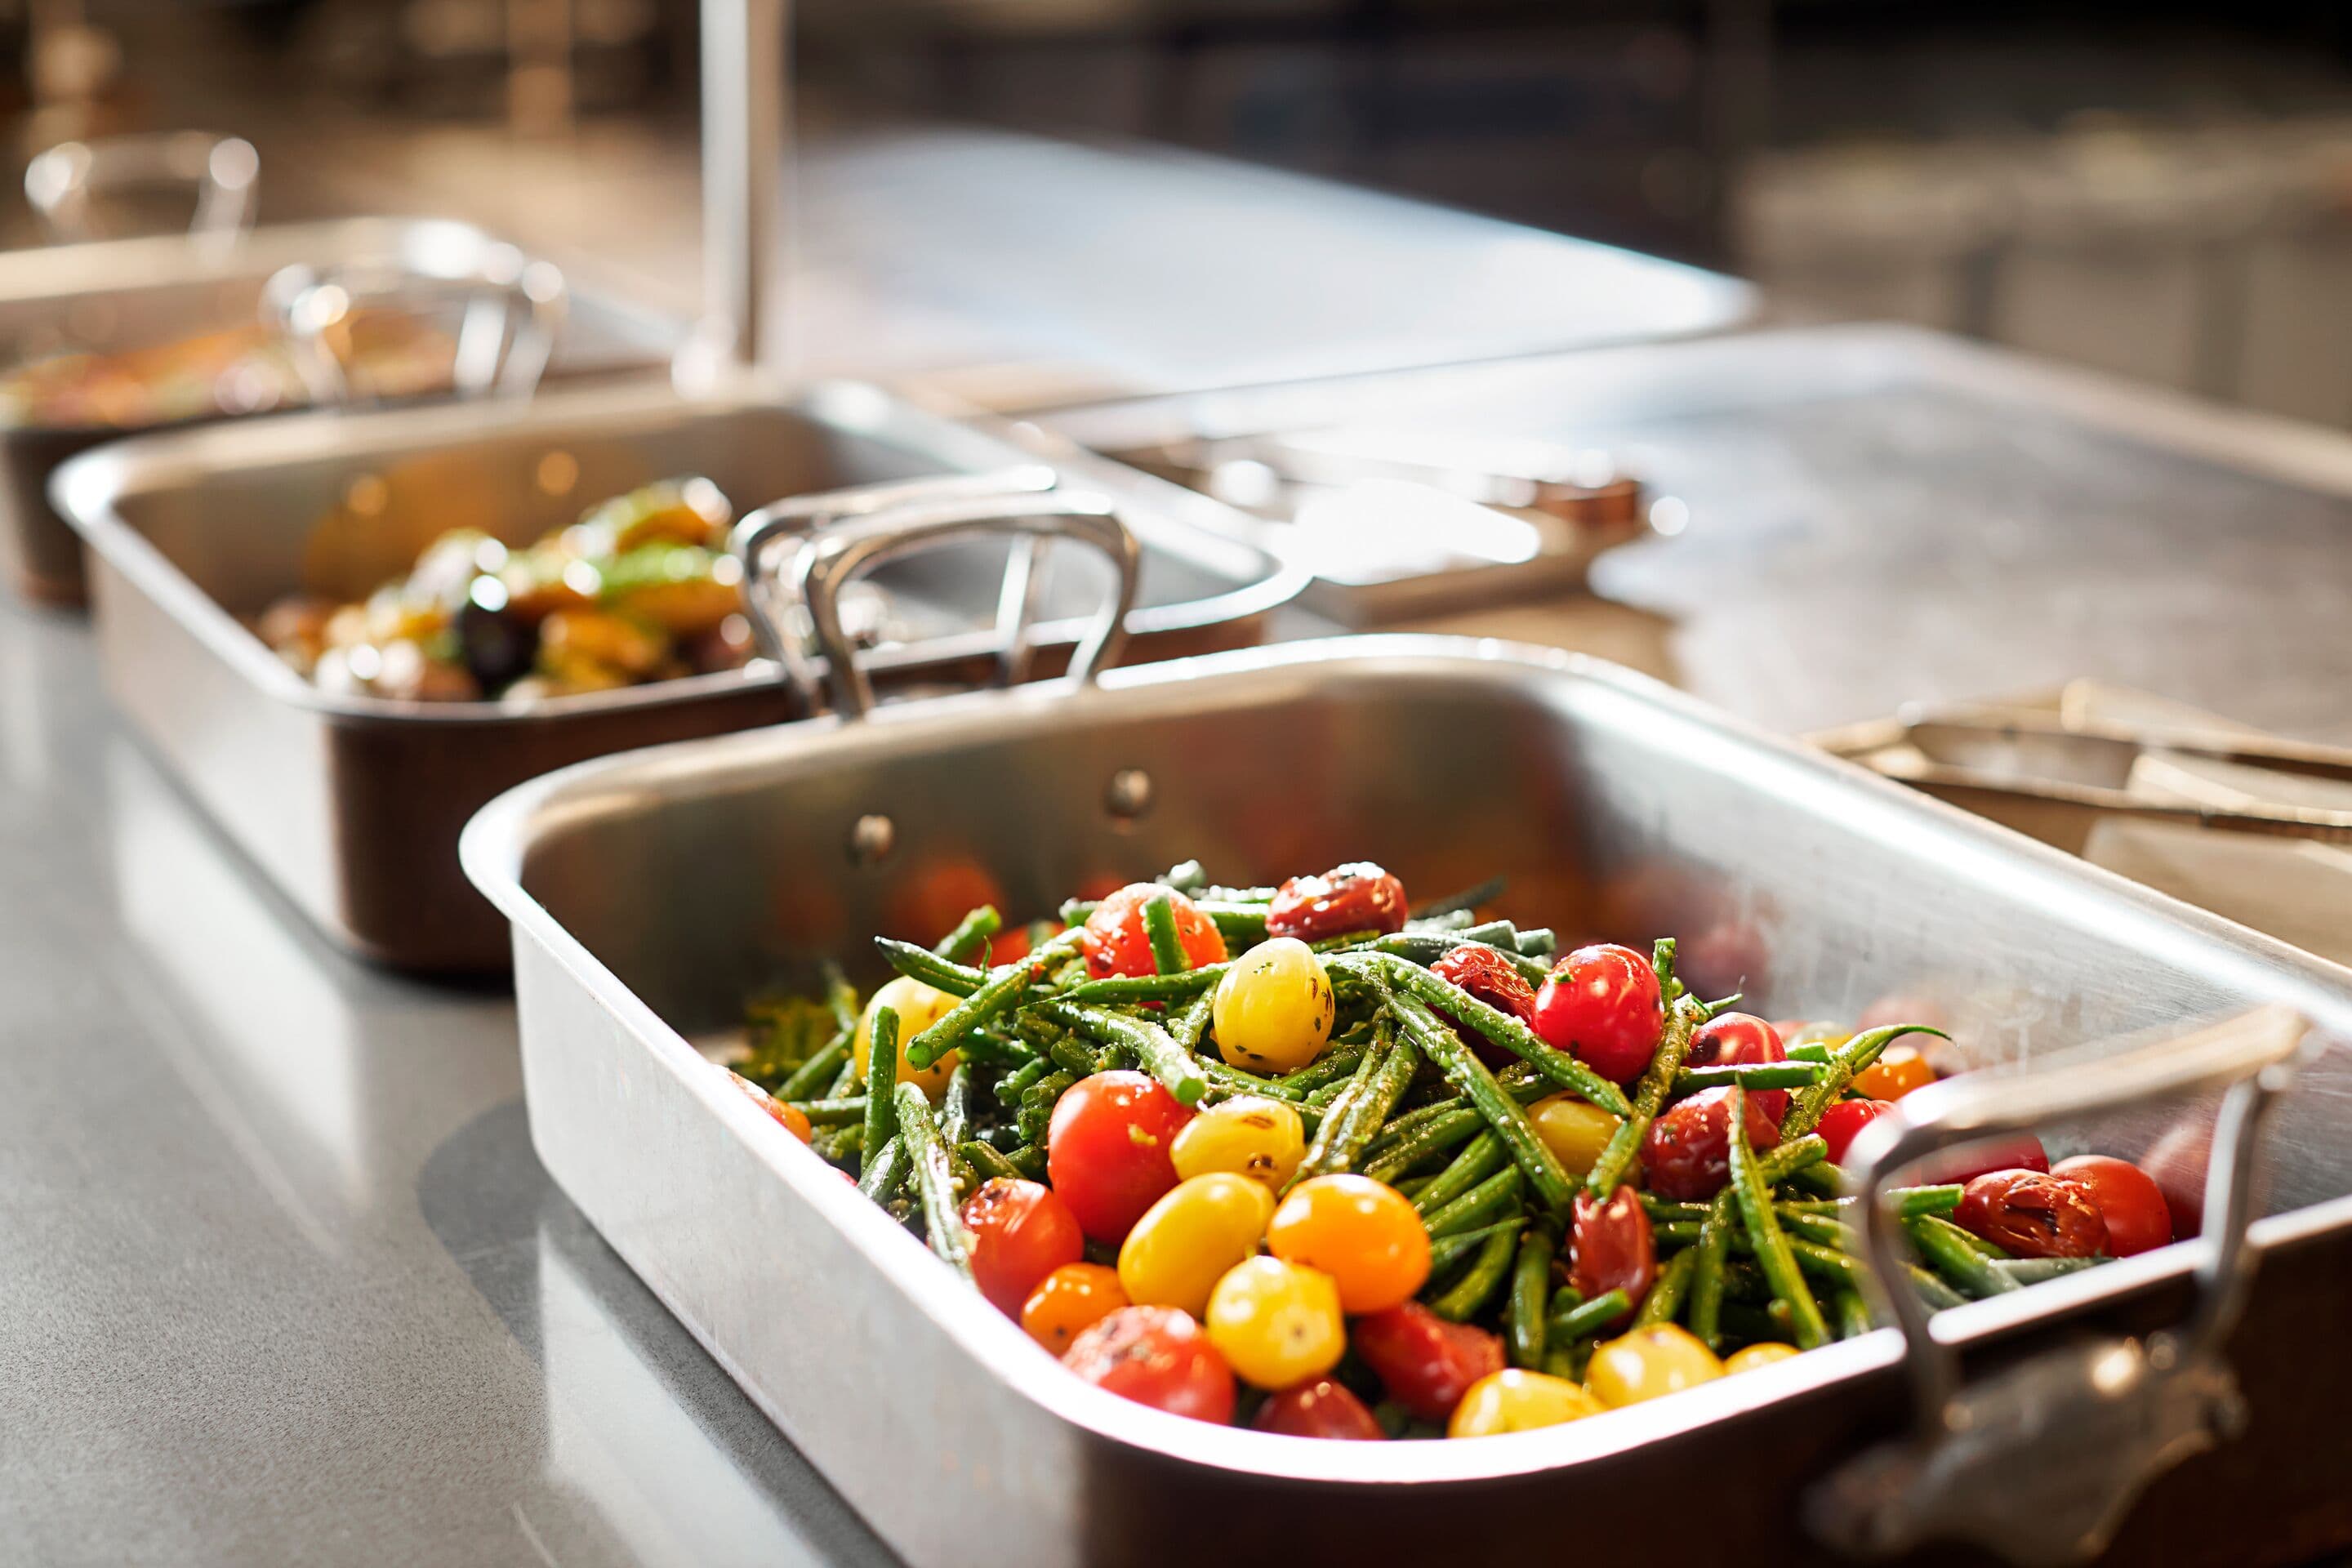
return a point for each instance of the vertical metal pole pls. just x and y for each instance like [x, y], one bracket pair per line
[746, 121]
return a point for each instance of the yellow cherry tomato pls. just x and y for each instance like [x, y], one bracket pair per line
[1895, 1074]
[1518, 1401]
[919, 1007]
[1249, 1136]
[1573, 1131]
[1276, 1323]
[1756, 1355]
[1274, 1007]
[1185, 1242]
[1661, 1359]
[1362, 1233]
[1070, 1300]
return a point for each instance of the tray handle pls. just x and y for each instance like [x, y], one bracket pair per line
[60, 181]
[832, 556]
[2041, 1462]
[514, 307]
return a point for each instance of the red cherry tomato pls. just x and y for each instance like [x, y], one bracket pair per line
[1426, 1363]
[1611, 1247]
[1359, 897]
[1842, 1121]
[925, 906]
[1601, 1005]
[2127, 1198]
[1116, 943]
[1495, 980]
[1020, 1233]
[1010, 946]
[1738, 1039]
[1318, 1409]
[1954, 1167]
[1107, 1150]
[1687, 1153]
[1156, 1356]
[2179, 1165]
[2031, 1214]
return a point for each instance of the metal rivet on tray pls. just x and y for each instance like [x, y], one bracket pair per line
[1130, 794]
[872, 838]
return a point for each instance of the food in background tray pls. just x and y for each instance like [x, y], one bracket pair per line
[640, 589]
[241, 370]
[1295, 1158]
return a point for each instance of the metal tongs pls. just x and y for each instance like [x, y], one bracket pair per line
[2053, 768]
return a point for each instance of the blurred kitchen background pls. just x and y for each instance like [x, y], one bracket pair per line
[2163, 191]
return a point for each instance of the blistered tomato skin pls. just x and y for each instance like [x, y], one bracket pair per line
[1426, 1363]
[1574, 1130]
[2127, 1198]
[1353, 898]
[1109, 1150]
[2031, 1214]
[1601, 1005]
[1274, 1007]
[1276, 1323]
[1364, 1234]
[1156, 1356]
[1841, 1122]
[1070, 1300]
[1686, 1154]
[1116, 943]
[1318, 1408]
[1248, 1135]
[919, 1007]
[1020, 1233]
[1184, 1243]
[1738, 1039]
[1649, 1363]
[1611, 1247]
[790, 1118]
[1516, 1401]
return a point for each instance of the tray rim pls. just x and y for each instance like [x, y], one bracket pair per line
[491, 850]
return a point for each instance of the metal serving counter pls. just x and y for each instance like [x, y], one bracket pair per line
[285, 1283]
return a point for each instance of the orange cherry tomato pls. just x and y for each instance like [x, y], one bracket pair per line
[1364, 1234]
[790, 1116]
[1070, 1300]
[1895, 1074]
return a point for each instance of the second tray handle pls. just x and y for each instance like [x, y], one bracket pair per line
[2041, 1463]
[59, 181]
[514, 307]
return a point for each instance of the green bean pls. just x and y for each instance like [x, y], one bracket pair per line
[1948, 1251]
[2034, 1270]
[1748, 1075]
[1711, 1010]
[1484, 893]
[1432, 1137]
[971, 934]
[939, 974]
[1460, 1301]
[831, 1113]
[1010, 1088]
[1038, 1103]
[1588, 1317]
[1819, 1229]
[1370, 1102]
[1773, 1250]
[1805, 1109]
[1185, 876]
[846, 1079]
[1002, 990]
[1932, 1289]
[1459, 1005]
[1650, 1091]
[1707, 1279]
[1070, 1054]
[1462, 1067]
[1852, 1314]
[1991, 1252]
[1029, 1159]
[1187, 1028]
[1664, 1302]
[1159, 927]
[1242, 925]
[1336, 1063]
[818, 1069]
[1810, 1051]
[884, 1171]
[1325, 1094]
[1482, 1205]
[1175, 987]
[1665, 1211]
[1828, 1263]
[1176, 1068]
[1494, 933]
[1523, 1308]
[934, 1182]
[955, 1106]
[1216, 895]
[1676, 1232]
[1446, 1251]
[987, 1160]
[1426, 947]
[1448, 921]
[1074, 912]
[881, 1080]
[1539, 941]
[1480, 1158]
[1935, 1200]
[1791, 1157]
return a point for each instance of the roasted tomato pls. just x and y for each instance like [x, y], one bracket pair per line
[1601, 1005]
[1737, 1039]
[1494, 979]
[1426, 1363]
[1321, 1408]
[1359, 897]
[2127, 1198]
[2031, 1214]
[1156, 1356]
[1070, 1300]
[1108, 1150]
[1020, 1233]
[1687, 1153]
[1611, 1247]
[1116, 941]
[1841, 1122]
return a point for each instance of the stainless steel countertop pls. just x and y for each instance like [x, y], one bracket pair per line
[284, 1282]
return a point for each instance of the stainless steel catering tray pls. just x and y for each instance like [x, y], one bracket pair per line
[354, 803]
[128, 293]
[650, 894]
